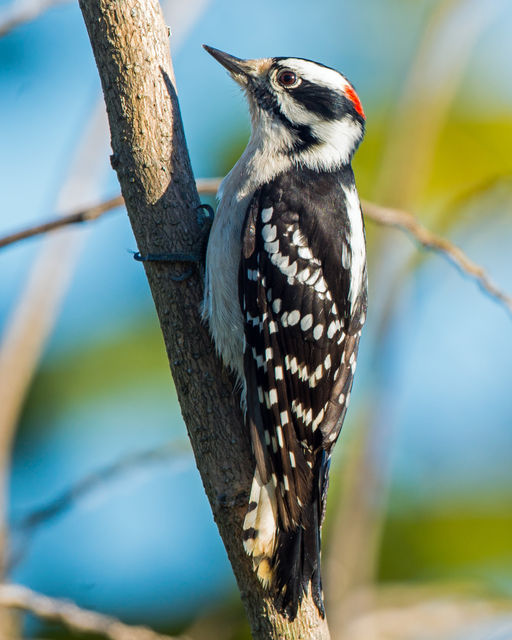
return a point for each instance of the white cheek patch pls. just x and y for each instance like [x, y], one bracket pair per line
[339, 138]
[294, 111]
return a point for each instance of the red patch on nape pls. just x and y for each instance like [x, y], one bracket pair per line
[352, 95]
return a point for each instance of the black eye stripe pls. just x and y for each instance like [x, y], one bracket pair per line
[268, 101]
[324, 102]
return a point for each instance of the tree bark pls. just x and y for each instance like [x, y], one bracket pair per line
[130, 43]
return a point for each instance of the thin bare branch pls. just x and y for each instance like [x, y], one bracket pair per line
[26, 526]
[381, 215]
[98, 478]
[72, 616]
[407, 222]
[20, 13]
[84, 215]
[204, 186]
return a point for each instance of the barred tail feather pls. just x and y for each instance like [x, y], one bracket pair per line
[287, 562]
[260, 528]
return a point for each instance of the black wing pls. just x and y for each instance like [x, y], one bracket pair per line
[301, 338]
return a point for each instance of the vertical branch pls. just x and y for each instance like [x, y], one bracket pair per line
[129, 41]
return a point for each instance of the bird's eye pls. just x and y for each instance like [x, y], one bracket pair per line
[287, 78]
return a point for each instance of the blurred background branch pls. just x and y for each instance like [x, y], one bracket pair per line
[407, 222]
[73, 617]
[381, 215]
[69, 497]
[25, 527]
[23, 11]
[84, 215]
[37, 308]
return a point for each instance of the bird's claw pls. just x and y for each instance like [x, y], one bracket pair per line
[204, 220]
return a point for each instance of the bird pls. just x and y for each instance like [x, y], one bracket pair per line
[286, 300]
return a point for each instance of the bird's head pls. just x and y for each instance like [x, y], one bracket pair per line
[299, 108]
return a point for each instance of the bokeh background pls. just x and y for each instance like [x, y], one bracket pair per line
[105, 505]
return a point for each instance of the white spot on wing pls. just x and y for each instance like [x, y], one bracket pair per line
[283, 263]
[318, 331]
[291, 364]
[321, 286]
[290, 270]
[306, 322]
[298, 238]
[318, 420]
[332, 329]
[314, 277]
[305, 253]
[272, 247]
[266, 214]
[269, 232]
[293, 317]
[303, 275]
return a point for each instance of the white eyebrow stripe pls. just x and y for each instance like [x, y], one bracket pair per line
[316, 73]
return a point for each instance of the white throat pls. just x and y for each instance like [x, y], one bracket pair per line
[270, 150]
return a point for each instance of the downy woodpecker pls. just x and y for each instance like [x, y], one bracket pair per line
[285, 299]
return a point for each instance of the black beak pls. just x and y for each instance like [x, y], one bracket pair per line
[238, 68]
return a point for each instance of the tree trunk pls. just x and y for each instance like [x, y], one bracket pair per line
[130, 44]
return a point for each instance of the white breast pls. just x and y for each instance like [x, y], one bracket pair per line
[260, 163]
[221, 305]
